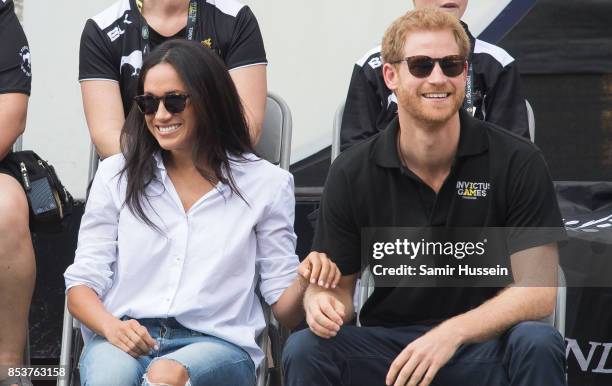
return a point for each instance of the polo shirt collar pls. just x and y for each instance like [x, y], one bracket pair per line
[473, 140]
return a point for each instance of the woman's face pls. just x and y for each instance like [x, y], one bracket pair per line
[175, 132]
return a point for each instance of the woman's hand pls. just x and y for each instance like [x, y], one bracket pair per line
[130, 336]
[318, 268]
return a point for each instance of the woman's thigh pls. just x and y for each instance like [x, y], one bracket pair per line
[213, 361]
[104, 364]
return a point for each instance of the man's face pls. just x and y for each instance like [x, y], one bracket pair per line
[433, 99]
[456, 7]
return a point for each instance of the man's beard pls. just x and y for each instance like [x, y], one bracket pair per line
[428, 114]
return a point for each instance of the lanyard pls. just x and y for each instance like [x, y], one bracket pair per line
[192, 17]
[468, 103]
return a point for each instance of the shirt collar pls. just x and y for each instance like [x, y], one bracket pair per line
[472, 141]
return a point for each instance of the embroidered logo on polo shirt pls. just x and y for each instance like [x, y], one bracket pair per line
[472, 190]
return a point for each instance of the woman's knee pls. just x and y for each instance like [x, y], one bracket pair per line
[166, 372]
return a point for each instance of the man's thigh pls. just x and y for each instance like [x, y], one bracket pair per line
[359, 355]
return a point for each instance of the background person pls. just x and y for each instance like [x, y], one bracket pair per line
[178, 233]
[114, 42]
[17, 264]
[494, 77]
[408, 177]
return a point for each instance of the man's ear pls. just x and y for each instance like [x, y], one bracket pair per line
[391, 76]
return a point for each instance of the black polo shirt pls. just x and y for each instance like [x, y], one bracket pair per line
[367, 186]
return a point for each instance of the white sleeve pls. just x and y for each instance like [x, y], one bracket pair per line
[97, 246]
[276, 259]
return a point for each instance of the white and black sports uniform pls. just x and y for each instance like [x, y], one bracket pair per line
[497, 96]
[112, 44]
[15, 60]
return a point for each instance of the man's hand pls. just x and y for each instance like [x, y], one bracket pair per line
[420, 361]
[324, 314]
[319, 269]
[130, 336]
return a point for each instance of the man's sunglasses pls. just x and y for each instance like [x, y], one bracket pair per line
[174, 103]
[421, 66]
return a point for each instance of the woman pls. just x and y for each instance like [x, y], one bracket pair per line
[178, 233]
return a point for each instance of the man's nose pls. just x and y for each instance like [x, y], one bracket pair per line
[437, 75]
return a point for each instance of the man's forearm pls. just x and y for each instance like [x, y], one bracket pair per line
[509, 307]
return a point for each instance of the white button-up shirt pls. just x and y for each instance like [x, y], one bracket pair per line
[205, 265]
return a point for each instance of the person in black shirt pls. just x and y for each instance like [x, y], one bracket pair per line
[496, 95]
[415, 174]
[17, 265]
[113, 44]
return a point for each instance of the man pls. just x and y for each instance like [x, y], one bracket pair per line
[493, 79]
[113, 44]
[409, 176]
[17, 265]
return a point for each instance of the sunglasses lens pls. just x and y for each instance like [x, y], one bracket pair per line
[420, 66]
[175, 103]
[451, 66]
[147, 104]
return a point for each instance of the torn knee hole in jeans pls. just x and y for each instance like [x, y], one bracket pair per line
[147, 382]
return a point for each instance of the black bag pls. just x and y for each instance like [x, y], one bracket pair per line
[49, 201]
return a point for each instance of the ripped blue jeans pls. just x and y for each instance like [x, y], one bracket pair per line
[207, 359]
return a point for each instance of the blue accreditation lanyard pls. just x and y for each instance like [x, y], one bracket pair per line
[192, 17]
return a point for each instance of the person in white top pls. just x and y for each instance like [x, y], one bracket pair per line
[179, 234]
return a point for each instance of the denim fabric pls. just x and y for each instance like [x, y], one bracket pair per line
[208, 360]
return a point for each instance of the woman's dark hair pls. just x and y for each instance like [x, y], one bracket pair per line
[221, 129]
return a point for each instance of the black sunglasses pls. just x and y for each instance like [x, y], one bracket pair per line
[421, 66]
[174, 103]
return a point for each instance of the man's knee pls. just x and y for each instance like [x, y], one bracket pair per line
[303, 347]
[13, 206]
[536, 339]
[167, 372]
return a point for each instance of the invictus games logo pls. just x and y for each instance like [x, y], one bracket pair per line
[26, 60]
[472, 190]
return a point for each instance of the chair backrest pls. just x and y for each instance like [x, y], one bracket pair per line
[335, 150]
[18, 145]
[274, 144]
[340, 111]
[530, 121]
[365, 288]
[275, 141]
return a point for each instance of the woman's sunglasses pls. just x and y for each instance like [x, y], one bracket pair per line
[421, 66]
[174, 103]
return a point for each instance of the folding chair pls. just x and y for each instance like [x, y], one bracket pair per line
[335, 151]
[556, 319]
[274, 146]
[530, 121]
